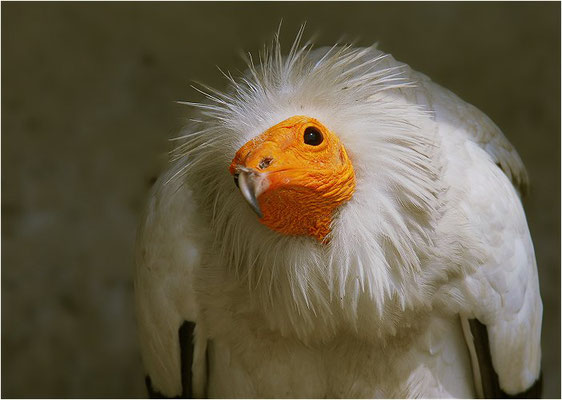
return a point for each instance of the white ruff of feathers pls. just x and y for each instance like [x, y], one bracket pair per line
[303, 286]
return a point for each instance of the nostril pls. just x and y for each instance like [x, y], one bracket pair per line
[264, 163]
[236, 180]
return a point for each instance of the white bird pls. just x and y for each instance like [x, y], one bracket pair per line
[376, 246]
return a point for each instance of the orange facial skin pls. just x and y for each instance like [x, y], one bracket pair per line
[305, 183]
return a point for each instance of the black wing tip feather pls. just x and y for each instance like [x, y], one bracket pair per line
[490, 380]
[155, 394]
[186, 336]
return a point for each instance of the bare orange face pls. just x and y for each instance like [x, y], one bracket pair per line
[295, 175]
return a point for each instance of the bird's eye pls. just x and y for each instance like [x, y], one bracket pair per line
[312, 136]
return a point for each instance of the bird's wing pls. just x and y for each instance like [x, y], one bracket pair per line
[503, 305]
[172, 344]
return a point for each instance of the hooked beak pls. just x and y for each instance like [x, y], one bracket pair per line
[251, 184]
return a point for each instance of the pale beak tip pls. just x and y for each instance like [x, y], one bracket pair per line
[248, 189]
[257, 210]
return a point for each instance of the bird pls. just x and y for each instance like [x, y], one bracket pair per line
[336, 224]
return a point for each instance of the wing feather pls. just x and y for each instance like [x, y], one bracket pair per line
[167, 253]
[503, 292]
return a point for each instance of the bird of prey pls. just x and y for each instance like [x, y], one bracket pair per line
[335, 224]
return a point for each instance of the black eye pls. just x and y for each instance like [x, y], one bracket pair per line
[312, 136]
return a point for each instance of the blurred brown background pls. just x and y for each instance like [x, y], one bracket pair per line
[87, 107]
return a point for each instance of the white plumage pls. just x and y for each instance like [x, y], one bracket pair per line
[433, 236]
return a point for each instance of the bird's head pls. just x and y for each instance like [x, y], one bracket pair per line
[331, 150]
[294, 176]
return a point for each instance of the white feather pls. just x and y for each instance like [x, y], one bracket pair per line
[434, 229]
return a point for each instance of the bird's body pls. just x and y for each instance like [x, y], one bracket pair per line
[378, 305]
